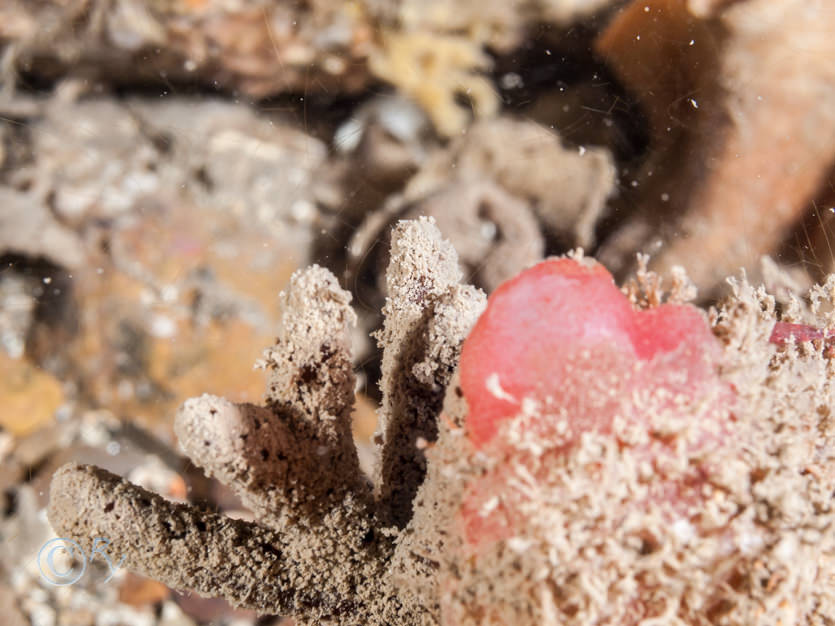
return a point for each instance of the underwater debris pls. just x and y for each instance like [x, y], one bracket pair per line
[696, 487]
[267, 48]
[499, 193]
[566, 189]
[28, 228]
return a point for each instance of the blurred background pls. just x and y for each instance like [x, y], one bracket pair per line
[165, 165]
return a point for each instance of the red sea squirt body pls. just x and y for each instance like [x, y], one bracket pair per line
[562, 336]
[562, 333]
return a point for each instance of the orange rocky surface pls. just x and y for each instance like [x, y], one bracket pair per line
[166, 317]
[29, 396]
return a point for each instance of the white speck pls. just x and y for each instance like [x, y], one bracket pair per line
[113, 448]
[334, 65]
[749, 543]
[548, 52]
[303, 211]
[47, 280]
[348, 135]
[63, 413]
[665, 197]
[99, 271]
[692, 42]
[582, 150]
[489, 506]
[634, 183]
[125, 389]
[683, 530]
[190, 65]
[786, 549]
[519, 544]
[169, 293]
[646, 9]
[163, 326]
[694, 103]
[638, 37]
[495, 388]
[488, 230]
[512, 80]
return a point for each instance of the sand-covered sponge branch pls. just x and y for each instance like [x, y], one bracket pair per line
[293, 462]
[427, 316]
[311, 384]
[184, 547]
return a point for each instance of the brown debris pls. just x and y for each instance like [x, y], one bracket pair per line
[267, 48]
[740, 98]
[566, 188]
[496, 234]
[27, 228]
[498, 192]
